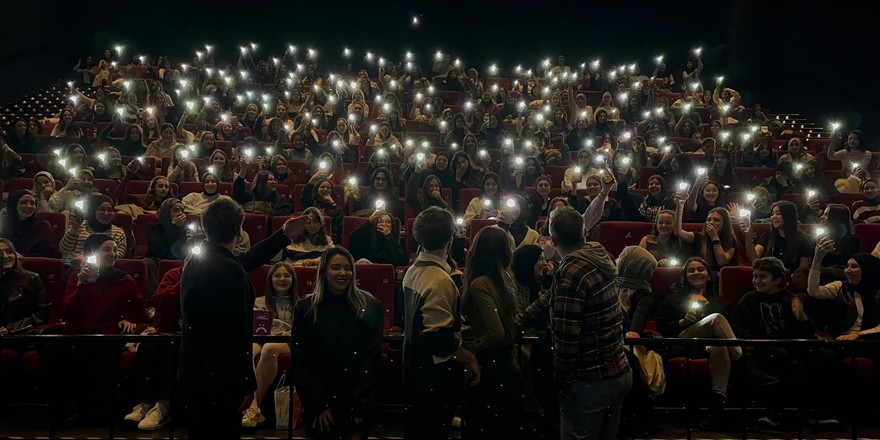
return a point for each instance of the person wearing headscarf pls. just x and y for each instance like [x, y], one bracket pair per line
[855, 308]
[166, 238]
[99, 214]
[635, 267]
[43, 189]
[196, 202]
[30, 233]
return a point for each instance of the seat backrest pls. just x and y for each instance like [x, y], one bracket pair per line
[51, 272]
[278, 223]
[138, 270]
[379, 280]
[124, 221]
[480, 223]
[166, 265]
[140, 233]
[255, 225]
[305, 280]
[869, 235]
[258, 279]
[849, 199]
[19, 183]
[106, 186]
[465, 195]
[615, 236]
[58, 222]
[349, 224]
[734, 283]
[752, 176]
[661, 283]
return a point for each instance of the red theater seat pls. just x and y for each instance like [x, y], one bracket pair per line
[255, 225]
[305, 280]
[140, 233]
[869, 235]
[480, 223]
[138, 270]
[379, 280]
[51, 271]
[58, 222]
[615, 236]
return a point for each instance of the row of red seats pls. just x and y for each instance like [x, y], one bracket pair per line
[378, 279]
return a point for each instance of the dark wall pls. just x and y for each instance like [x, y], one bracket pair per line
[814, 58]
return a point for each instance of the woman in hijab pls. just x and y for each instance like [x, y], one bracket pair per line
[635, 267]
[30, 233]
[165, 239]
[196, 202]
[850, 306]
[99, 214]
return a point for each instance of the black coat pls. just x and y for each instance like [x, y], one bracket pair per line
[367, 242]
[216, 305]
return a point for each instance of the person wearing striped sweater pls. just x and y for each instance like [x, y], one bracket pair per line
[99, 214]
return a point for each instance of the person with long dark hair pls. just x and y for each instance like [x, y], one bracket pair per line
[263, 199]
[131, 144]
[166, 238]
[784, 240]
[495, 406]
[23, 300]
[337, 341]
[381, 188]
[697, 310]
[488, 202]
[837, 225]
[280, 300]
[377, 240]
[158, 190]
[30, 233]
[431, 191]
[306, 249]
[716, 244]
[20, 139]
[319, 193]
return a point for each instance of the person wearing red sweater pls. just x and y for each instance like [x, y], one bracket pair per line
[154, 365]
[100, 299]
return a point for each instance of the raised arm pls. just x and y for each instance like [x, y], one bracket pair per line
[814, 289]
[685, 236]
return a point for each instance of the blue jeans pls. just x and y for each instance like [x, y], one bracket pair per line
[591, 409]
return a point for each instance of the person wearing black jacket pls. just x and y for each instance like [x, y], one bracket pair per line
[165, 240]
[336, 340]
[376, 240]
[216, 371]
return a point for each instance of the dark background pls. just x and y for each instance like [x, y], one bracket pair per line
[817, 59]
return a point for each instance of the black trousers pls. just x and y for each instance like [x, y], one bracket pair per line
[432, 392]
[213, 416]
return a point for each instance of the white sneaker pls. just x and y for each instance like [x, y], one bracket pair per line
[138, 412]
[155, 419]
[252, 417]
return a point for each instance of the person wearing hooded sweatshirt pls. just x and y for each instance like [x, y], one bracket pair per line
[868, 211]
[635, 268]
[30, 233]
[99, 214]
[590, 367]
[196, 202]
